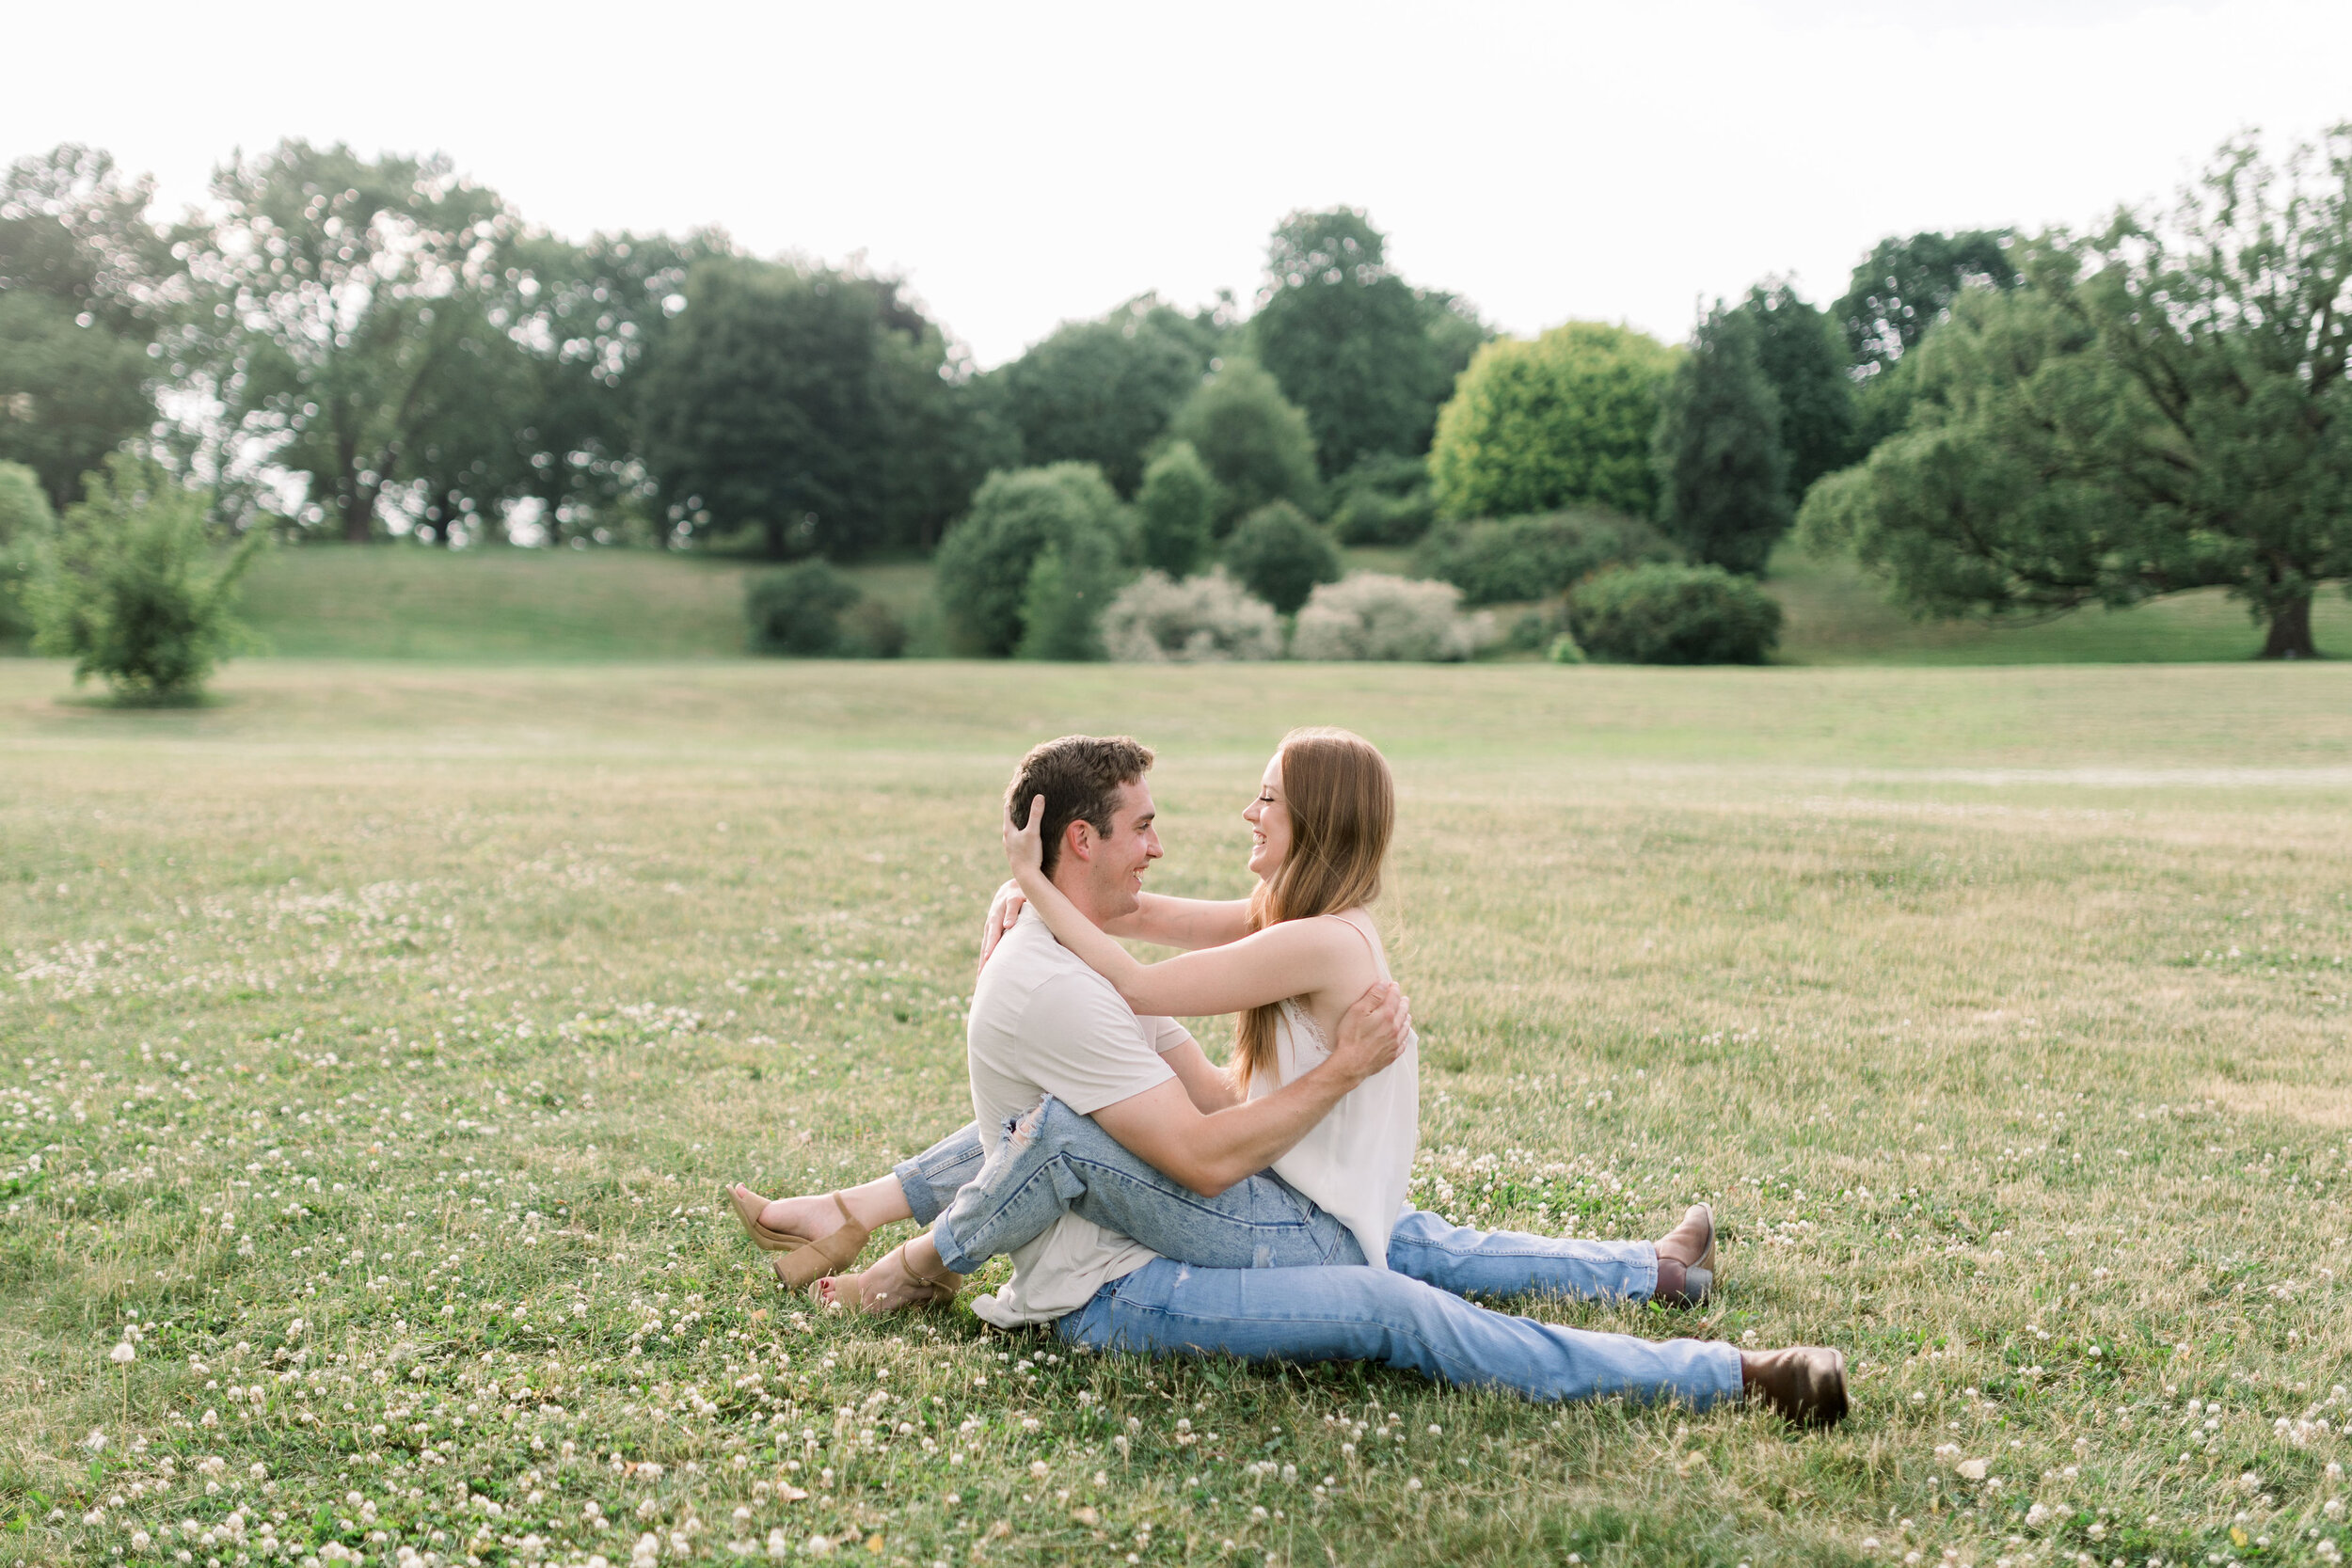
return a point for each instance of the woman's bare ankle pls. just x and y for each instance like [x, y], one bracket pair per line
[879, 1202]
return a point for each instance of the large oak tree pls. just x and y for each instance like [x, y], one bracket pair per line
[2162, 405]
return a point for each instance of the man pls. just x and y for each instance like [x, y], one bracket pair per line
[1097, 1128]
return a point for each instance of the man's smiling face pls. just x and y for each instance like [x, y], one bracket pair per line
[1103, 876]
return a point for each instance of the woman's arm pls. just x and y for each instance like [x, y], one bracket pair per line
[1187, 923]
[1210, 1088]
[1291, 959]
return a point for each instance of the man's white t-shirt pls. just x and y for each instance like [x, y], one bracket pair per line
[1043, 1022]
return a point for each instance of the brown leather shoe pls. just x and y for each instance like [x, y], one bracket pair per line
[1686, 1259]
[1804, 1384]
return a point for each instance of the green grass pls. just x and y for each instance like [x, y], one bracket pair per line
[1835, 616]
[2002, 1012]
[502, 604]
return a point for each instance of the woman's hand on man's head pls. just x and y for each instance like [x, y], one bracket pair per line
[1025, 843]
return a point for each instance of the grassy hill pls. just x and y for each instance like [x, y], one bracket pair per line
[1837, 616]
[407, 602]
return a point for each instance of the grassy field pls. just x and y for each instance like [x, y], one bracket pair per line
[406, 602]
[375, 1043]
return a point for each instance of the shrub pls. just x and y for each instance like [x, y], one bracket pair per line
[984, 565]
[131, 588]
[798, 611]
[1255, 443]
[1383, 500]
[1176, 510]
[1372, 615]
[871, 629]
[1675, 615]
[1516, 558]
[26, 525]
[1200, 620]
[1561, 420]
[1069, 588]
[1280, 555]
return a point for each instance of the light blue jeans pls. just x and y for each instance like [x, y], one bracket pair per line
[1260, 1272]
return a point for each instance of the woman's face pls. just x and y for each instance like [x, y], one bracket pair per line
[1269, 819]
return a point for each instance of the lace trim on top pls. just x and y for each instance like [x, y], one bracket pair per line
[1304, 1020]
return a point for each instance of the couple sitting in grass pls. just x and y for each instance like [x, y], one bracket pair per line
[1151, 1202]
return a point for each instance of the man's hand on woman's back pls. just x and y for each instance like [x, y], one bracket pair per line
[1372, 1031]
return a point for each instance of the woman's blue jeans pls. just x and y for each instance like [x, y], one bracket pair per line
[1258, 1270]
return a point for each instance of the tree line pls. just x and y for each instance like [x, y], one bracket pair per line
[2002, 424]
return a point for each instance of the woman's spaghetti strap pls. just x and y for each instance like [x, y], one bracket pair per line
[1378, 962]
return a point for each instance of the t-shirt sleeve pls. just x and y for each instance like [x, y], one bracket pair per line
[1165, 1033]
[1081, 1045]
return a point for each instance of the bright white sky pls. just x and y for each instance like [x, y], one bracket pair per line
[1027, 163]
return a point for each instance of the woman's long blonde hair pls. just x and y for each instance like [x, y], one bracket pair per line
[1343, 808]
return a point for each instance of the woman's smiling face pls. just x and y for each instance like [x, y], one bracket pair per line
[1269, 819]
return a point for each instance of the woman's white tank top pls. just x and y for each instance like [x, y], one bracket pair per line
[1357, 1162]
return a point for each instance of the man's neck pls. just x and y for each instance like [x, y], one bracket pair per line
[1074, 887]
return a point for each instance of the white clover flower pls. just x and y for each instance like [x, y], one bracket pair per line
[122, 1354]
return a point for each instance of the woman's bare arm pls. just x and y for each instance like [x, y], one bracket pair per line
[1210, 1088]
[1187, 923]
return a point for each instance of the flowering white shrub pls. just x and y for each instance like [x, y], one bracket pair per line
[1372, 616]
[1197, 621]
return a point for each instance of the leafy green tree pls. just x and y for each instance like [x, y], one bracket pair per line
[2165, 405]
[1366, 357]
[1074, 581]
[1281, 555]
[354, 323]
[24, 509]
[133, 589]
[1723, 476]
[1256, 444]
[809, 408]
[983, 572]
[1103, 391]
[592, 313]
[26, 523]
[84, 279]
[1176, 510]
[1905, 286]
[68, 394]
[1562, 420]
[1804, 357]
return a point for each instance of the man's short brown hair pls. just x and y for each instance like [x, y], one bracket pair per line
[1079, 775]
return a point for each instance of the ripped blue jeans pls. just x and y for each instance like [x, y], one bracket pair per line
[1055, 1162]
[1260, 1272]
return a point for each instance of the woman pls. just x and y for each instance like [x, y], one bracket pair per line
[1289, 959]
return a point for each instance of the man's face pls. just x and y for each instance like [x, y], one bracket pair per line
[1104, 875]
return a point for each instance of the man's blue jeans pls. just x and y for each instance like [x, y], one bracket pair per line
[1260, 1270]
